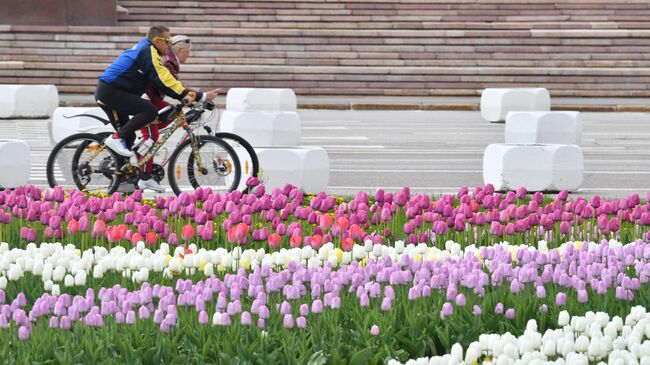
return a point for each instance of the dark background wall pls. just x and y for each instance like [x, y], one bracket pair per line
[58, 12]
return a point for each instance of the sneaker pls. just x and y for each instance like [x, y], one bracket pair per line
[118, 145]
[151, 184]
[145, 146]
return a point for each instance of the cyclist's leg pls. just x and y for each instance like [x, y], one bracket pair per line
[125, 103]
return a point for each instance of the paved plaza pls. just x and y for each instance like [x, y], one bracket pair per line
[430, 151]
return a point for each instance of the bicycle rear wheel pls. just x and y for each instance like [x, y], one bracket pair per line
[220, 162]
[82, 161]
[250, 165]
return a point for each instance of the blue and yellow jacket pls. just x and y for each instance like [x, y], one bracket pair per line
[140, 66]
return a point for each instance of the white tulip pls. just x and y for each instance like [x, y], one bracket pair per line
[236, 252]
[399, 246]
[594, 351]
[69, 281]
[457, 353]
[179, 251]
[619, 343]
[347, 258]
[216, 319]
[563, 318]
[144, 272]
[167, 274]
[56, 290]
[548, 348]
[511, 351]
[377, 250]
[504, 360]
[47, 285]
[98, 272]
[80, 278]
[140, 246]
[577, 359]
[368, 245]
[333, 260]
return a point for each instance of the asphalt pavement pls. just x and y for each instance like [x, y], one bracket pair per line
[432, 152]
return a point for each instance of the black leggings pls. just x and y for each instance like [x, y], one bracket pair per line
[119, 104]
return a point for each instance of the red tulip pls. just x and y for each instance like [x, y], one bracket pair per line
[151, 238]
[188, 232]
[295, 241]
[73, 226]
[347, 244]
[274, 240]
[136, 237]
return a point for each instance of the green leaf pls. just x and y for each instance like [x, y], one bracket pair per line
[362, 357]
[317, 358]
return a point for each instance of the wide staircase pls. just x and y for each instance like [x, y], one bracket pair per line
[354, 48]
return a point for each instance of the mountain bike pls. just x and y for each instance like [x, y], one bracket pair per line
[197, 160]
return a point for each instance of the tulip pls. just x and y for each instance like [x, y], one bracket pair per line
[374, 330]
[560, 299]
[187, 232]
[446, 311]
[23, 333]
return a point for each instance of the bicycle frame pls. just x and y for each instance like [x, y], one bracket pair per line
[178, 123]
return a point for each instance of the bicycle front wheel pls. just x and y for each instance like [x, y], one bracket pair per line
[82, 161]
[250, 165]
[209, 163]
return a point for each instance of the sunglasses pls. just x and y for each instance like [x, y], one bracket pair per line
[166, 40]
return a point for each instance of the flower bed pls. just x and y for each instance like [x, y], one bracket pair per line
[287, 278]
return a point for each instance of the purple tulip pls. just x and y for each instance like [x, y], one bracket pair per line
[460, 300]
[476, 310]
[446, 311]
[374, 330]
[23, 333]
[301, 322]
[499, 308]
[510, 313]
[560, 299]
[246, 319]
[287, 321]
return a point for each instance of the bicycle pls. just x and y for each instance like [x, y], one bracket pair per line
[104, 170]
[245, 151]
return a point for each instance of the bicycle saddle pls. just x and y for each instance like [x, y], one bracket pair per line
[167, 113]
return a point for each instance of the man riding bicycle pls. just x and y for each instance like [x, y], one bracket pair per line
[177, 54]
[120, 88]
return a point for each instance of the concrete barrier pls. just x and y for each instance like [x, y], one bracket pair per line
[305, 167]
[497, 102]
[543, 167]
[562, 127]
[253, 99]
[268, 129]
[63, 127]
[14, 163]
[28, 101]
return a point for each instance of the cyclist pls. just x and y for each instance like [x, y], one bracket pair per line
[120, 88]
[177, 54]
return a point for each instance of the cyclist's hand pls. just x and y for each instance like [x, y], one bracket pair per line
[210, 95]
[189, 99]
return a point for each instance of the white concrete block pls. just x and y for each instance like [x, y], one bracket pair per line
[28, 101]
[562, 127]
[14, 163]
[251, 99]
[268, 129]
[63, 127]
[542, 167]
[497, 102]
[307, 168]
